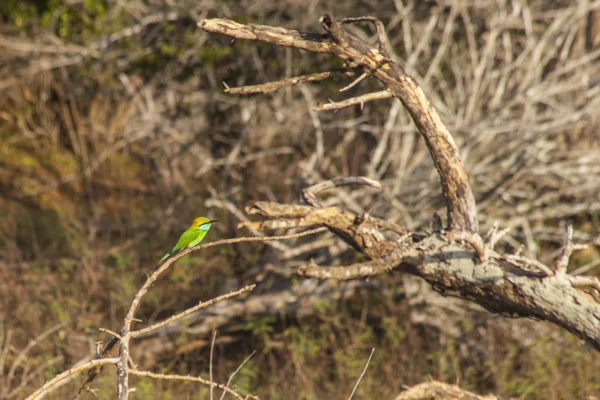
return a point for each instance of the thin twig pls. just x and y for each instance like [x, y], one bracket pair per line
[474, 240]
[114, 334]
[362, 374]
[381, 35]
[585, 268]
[319, 134]
[189, 311]
[354, 82]
[210, 366]
[296, 80]
[238, 369]
[191, 379]
[585, 281]
[39, 371]
[521, 261]
[309, 194]
[26, 350]
[253, 239]
[562, 262]
[365, 98]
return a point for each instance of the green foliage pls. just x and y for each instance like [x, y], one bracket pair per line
[261, 328]
[212, 54]
[18, 12]
[69, 20]
[80, 22]
[180, 273]
[59, 311]
[144, 389]
[303, 341]
[393, 330]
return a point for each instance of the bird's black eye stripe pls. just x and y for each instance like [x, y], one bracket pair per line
[207, 223]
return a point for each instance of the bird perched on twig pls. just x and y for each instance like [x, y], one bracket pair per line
[192, 236]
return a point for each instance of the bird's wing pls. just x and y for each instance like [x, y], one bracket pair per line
[198, 238]
[186, 238]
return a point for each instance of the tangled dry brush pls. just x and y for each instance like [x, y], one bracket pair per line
[121, 131]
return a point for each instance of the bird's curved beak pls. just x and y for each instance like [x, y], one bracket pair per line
[212, 221]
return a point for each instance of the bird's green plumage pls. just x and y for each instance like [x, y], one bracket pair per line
[192, 236]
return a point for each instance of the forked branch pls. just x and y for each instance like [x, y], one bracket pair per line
[126, 333]
[454, 263]
[375, 62]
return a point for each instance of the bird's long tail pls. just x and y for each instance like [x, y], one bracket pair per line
[161, 260]
[166, 255]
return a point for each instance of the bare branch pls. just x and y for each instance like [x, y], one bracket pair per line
[346, 225]
[337, 105]
[562, 262]
[440, 390]
[462, 212]
[227, 315]
[268, 34]
[22, 354]
[362, 374]
[238, 369]
[69, 372]
[277, 85]
[381, 35]
[354, 82]
[586, 281]
[192, 379]
[509, 284]
[126, 333]
[191, 310]
[309, 194]
[362, 270]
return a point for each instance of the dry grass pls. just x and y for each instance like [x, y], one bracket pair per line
[114, 135]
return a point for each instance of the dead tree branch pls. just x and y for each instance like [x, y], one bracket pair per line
[440, 390]
[273, 86]
[501, 283]
[456, 261]
[360, 100]
[462, 212]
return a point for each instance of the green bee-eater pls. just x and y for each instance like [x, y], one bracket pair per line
[192, 236]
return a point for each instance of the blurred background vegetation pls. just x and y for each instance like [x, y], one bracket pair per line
[115, 133]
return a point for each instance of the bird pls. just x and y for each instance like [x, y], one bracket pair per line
[192, 236]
